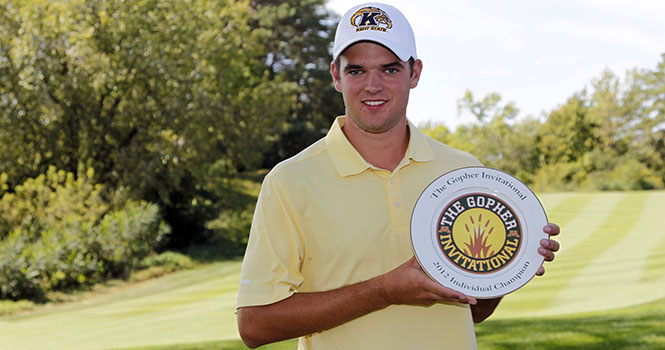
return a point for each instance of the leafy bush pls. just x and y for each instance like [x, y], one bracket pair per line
[17, 278]
[52, 200]
[160, 264]
[8, 307]
[559, 176]
[60, 233]
[628, 174]
[229, 230]
[232, 226]
[170, 259]
[123, 238]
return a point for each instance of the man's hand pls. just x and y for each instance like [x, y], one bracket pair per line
[408, 284]
[548, 246]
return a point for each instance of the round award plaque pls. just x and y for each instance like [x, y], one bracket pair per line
[477, 230]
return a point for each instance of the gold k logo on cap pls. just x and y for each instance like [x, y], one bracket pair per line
[371, 18]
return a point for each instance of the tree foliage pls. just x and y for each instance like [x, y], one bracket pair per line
[107, 106]
[58, 231]
[496, 139]
[301, 34]
[609, 137]
[162, 97]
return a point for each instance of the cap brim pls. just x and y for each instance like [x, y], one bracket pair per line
[403, 56]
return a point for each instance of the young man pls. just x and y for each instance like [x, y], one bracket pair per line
[329, 257]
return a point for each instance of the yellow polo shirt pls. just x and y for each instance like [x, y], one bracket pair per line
[326, 218]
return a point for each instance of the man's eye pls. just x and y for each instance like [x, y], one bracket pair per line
[355, 72]
[392, 70]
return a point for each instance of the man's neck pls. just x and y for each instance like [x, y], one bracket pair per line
[383, 150]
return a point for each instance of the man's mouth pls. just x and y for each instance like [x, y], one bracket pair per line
[374, 103]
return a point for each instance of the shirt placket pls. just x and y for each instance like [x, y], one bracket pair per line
[399, 215]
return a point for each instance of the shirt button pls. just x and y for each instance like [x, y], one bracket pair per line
[392, 181]
[397, 204]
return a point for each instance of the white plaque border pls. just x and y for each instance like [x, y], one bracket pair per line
[462, 181]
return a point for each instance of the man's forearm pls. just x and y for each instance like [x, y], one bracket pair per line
[483, 309]
[306, 313]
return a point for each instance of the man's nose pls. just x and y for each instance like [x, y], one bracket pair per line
[374, 83]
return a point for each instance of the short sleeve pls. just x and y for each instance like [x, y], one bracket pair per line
[271, 266]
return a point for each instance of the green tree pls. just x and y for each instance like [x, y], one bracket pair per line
[568, 132]
[498, 140]
[628, 131]
[610, 137]
[649, 93]
[488, 109]
[437, 131]
[565, 143]
[300, 34]
[158, 96]
[607, 139]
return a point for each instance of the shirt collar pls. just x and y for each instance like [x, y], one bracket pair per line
[348, 161]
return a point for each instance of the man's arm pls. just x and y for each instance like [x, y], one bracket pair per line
[307, 313]
[483, 309]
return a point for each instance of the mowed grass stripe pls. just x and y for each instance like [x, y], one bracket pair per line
[637, 328]
[613, 277]
[618, 223]
[567, 207]
[580, 216]
[141, 290]
[654, 268]
[189, 306]
[573, 216]
[552, 200]
[99, 327]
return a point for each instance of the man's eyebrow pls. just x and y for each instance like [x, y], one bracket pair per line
[350, 67]
[395, 64]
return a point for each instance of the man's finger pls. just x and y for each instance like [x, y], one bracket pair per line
[551, 229]
[548, 254]
[550, 244]
[452, 295]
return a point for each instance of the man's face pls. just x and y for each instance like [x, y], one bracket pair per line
[375, 85]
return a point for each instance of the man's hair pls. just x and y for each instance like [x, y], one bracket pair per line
[338, 62]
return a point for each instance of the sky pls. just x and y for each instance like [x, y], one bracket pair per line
[534, 53]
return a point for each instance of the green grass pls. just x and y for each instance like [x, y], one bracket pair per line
[608, 258]
[188, 306]
[606, 290]
[636, 328]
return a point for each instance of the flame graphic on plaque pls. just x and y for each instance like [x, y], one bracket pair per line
[479, 233]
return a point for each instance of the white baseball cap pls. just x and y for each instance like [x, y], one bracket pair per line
[379, 23]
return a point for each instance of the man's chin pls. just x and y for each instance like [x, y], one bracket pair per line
[375, 124]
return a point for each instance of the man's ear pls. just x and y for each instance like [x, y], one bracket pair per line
[415, 76]
[334, 72]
